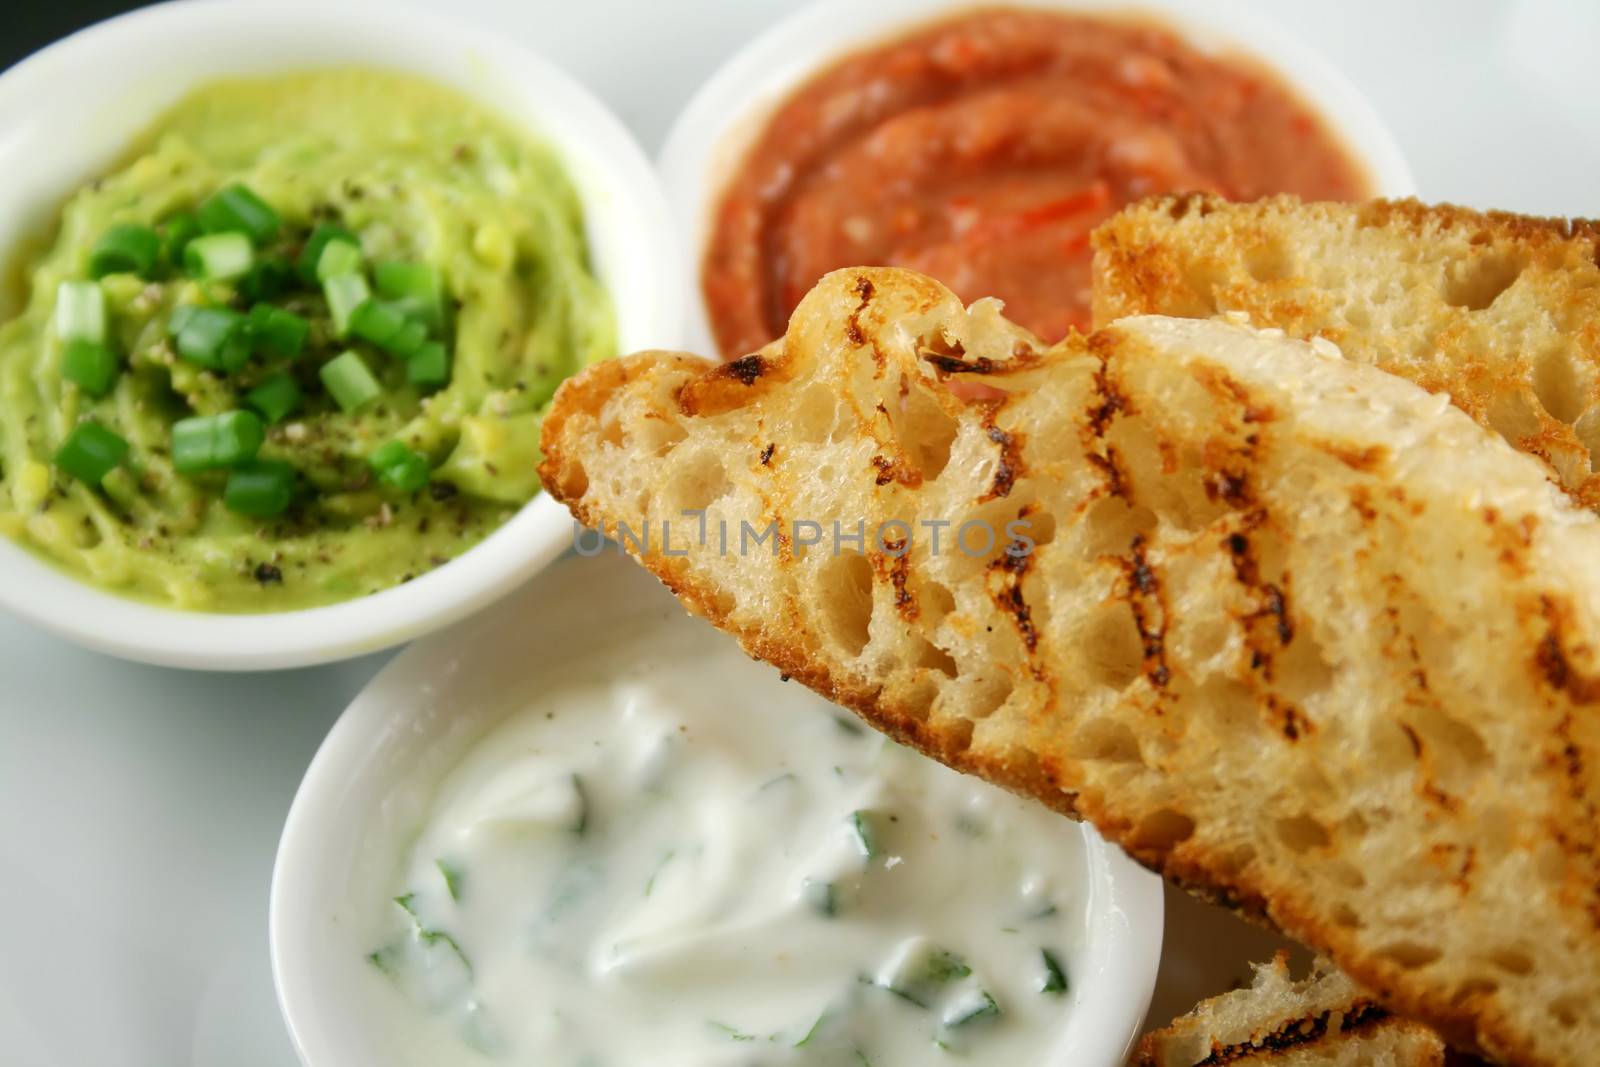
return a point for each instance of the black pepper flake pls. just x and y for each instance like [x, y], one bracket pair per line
[267, 574]
[443, 490]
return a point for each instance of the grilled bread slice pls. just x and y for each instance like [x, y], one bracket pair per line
[1321, 1020]
[1500, 311]
[1291, 630]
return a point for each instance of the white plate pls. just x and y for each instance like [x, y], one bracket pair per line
[140, 807]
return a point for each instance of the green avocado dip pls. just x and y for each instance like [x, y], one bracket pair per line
[297, 349]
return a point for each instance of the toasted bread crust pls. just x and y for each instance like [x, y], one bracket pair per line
[1500, 311]
[1320, 1020]
[1240, 676]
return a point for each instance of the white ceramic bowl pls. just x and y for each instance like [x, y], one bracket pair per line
[359, 804]
[69, 111]
[709, 138]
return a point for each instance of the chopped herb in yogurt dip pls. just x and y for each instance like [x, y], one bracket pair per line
[644, 866]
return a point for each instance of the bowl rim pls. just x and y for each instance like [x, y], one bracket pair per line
[729, 109]
[568, 117]
[351, 781]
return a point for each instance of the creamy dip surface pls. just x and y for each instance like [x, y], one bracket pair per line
[417, 176]
[662, 855]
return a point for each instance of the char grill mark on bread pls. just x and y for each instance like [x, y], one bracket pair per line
[1322, 1020]
[1500, 311]
[1293, 631]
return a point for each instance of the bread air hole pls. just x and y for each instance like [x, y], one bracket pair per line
[1038, 526]
[1587, 427]
[1110, 646]
[1475, 283]
[1560, 387]
[1268, 262]
[1514, 416]
[815, 413]
[986, 694]
[657, 436]
[1411, 955]
[928, 655]
[1390, 749]
[1106, 741]
[1512, 961]
[1162, 830]
[958, 737]
[574, 480]
[925, 432]
[1457, 750]
[698, 484]
[1169, 479]
[846, 600]
[1303, 670]
[1301, 833]
[1566, 1010]
[1346, 874]
[919, 697]
[1474, 988]
[1109, 526]
[936, 601]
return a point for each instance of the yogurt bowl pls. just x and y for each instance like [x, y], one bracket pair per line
[68, 114]
[589, 825]
[704, 150]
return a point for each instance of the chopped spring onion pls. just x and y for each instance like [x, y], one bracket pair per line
[91, 452]
[207, 442]
[81, 312]
[268, 279]
[943, 965]
[312, 252]
[732, 1033]
[415, 288]
[970, 1009]
[219, 257]
[581, 824]
[822, 896]
[387, 327]
[260, 488]
[1055, 978]
[281, 332]
[213, 338]
[276, 398]
[125, 249]
[89, 364]
[865, 833]
[237, 209]
[410, 340]
[452, 878]
[429, 367]
[176, 233]
[349, 381]
[377, 322]
[345, 293]
[339, 256]
[399, 467]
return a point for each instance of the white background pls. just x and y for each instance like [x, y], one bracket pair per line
[139, 808]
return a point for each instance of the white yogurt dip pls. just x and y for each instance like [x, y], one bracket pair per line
[664, 857]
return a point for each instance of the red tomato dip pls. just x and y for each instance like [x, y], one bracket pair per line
[983, 149]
